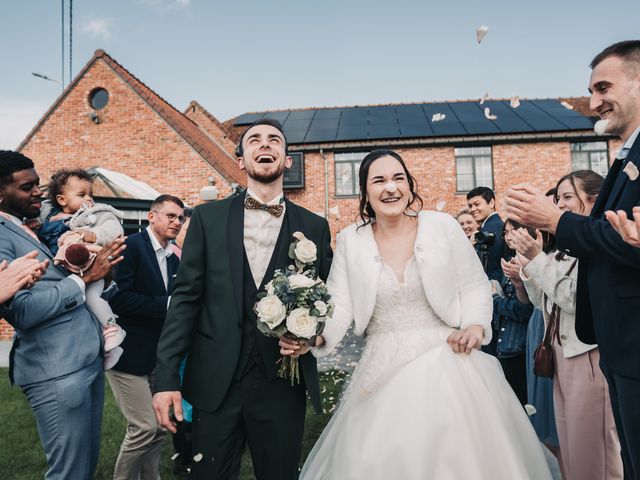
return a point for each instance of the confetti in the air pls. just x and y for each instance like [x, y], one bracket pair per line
[488, 115]
[484, 98]
[438, 117]
[530, 409]
[567, 105]
[481, 32]
[174, 456]
[601, 127]
[515, 102]
[440, 205]
[197, 457]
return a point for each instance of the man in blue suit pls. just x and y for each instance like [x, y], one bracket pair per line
[489, 242]
[145, 282]
[56, 352]
[608, 286]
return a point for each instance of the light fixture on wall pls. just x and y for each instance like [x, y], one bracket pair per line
[94, 117]
[209, 192]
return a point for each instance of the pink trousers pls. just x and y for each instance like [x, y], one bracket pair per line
[589, 445]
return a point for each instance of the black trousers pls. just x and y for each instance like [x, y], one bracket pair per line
[625, 403]
[266, 415]
[515, 371]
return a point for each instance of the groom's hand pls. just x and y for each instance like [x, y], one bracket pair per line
[162, 402]
[289, 346]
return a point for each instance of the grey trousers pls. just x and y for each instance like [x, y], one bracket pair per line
[140, 450]
[68, 413]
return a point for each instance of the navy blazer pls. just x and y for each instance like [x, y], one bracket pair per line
[608, 287]
[141, 303]
[495, 225]
[55, 334]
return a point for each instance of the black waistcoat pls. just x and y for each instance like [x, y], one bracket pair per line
[253, 346]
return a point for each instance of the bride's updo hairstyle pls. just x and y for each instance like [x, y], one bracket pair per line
[366, 213]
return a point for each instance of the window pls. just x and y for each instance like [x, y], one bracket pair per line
[346, 173]
[473, 168]
[98, 98]
[294, 176]
[590, 156]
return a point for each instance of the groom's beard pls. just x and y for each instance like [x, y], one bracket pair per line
[267, 178]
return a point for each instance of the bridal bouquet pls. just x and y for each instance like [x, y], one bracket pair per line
[296, 303]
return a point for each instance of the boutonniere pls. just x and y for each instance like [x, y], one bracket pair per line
[302, 250]
[632, 171]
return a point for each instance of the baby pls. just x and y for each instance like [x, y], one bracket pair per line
[80, 228]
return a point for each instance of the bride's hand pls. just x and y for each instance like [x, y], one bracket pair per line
[463, 341]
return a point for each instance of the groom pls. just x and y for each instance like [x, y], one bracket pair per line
[232, 249]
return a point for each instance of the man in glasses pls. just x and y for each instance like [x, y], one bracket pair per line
[145, 282]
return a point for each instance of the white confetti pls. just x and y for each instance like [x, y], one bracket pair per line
[440, 205]
[197, 457]
[174, 456]
[481, 32]
[438, 117]
[488, 115]
[601, 127]
[530, 409]
[567, 105]
[484, 98]
[515, 102]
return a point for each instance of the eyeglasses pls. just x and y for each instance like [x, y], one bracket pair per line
[505, 234]
[172, 217]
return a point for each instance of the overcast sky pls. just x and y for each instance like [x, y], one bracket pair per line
[237, 56]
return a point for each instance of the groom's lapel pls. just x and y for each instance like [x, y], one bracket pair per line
[280, 257]
[235, 240]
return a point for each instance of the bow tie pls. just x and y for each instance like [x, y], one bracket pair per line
[251, 203]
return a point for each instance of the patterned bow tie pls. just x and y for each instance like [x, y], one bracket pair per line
[251, 203]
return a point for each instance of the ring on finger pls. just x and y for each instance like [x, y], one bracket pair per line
[110, 258]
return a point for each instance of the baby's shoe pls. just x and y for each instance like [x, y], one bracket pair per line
[113, 336]
[111, 358]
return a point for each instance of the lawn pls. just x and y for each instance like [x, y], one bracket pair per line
[22, 458]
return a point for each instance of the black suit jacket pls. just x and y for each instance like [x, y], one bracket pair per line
[141, 303]
[205, 317]
[495, 225]
[608, 287]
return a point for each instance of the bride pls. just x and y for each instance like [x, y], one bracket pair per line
[423, 402]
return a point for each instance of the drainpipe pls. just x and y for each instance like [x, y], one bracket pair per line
[326, 185]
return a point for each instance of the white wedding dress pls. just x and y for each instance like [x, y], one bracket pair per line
[415, 410]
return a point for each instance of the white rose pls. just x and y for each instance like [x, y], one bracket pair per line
[301, 281]
[301, 323]
[321, 307]
[269, 288]
[271, 311]
[305, 250]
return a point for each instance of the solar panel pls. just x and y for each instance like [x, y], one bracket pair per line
[354, 117]
[384, 131]
[382, 116]
[539, 120]
[415, 130]
[328, 113]
[321, 123]
[279, 116]
[301, 115]
[295, 136]
[508, 120]
[321, 135]
[296, 124]
[352, 133]
[570, 118]
[447, 127]
[248, 118]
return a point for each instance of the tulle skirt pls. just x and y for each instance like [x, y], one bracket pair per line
[440, 416]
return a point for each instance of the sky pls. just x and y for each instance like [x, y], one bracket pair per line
[238, 56]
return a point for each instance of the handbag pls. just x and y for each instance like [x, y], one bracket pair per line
[544, 364]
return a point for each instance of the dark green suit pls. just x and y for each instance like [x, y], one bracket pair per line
[236, 399]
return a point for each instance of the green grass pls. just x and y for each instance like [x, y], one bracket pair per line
[22, 458]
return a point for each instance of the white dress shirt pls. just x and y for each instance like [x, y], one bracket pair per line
[162, 253]
[261, 230]
[624, 151]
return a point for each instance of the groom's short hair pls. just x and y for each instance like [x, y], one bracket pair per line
[628, 50]
[265, 121]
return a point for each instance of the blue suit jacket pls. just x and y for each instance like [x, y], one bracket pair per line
[55, 332]
[608, 288]
[141, 303]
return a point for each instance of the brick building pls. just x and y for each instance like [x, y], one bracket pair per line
[108, 118]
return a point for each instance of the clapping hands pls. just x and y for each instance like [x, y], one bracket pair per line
[511, 270]
[23, 272]
[527, 247]
[628, 229]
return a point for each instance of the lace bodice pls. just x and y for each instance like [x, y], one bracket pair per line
[402, 327]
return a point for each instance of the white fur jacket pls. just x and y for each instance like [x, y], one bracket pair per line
[103, 220]
[452, 277]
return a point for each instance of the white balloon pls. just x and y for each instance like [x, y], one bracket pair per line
[481, 32]
[601, 127]
[488, 115]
